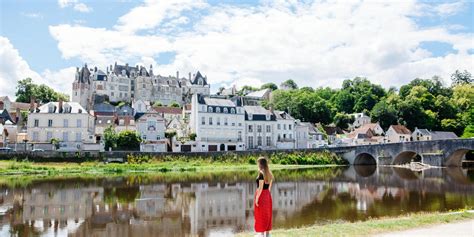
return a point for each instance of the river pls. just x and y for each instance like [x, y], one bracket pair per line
[220, 203]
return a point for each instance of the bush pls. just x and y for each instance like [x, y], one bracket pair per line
[138, 159]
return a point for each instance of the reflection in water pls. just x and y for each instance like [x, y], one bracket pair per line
[203, 204]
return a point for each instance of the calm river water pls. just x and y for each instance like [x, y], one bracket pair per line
[220, 204]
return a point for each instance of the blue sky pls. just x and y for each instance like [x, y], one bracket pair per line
[237, 42]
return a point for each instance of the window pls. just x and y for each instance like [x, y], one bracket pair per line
[250, 128]
[225, 121]
[250, 142]
[250, 116]
[289, 126]
[233, 124]
[210, 120]
[36, 122]
[65, 136]
[35, 136]
[279, 126]
[65, 123]
[269, 141]
[218, 121]
[218, 110]
[209, 110]
[290, 135]
[79, 123]
[203, 121]
[284, 126]
[259, 128]
[50, 122]
[226, 111]
[239, 136]
[49, 136]
[259, 141]
[240, 124]
[232, 111]
[269, 128]
[78, 137]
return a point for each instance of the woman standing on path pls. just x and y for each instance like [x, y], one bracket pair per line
[263, 199]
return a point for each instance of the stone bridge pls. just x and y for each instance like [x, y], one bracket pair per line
[436, 153]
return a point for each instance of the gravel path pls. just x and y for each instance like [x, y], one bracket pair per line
[458, 229]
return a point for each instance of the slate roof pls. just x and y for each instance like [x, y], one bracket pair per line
[330, 130]
[441, 135]
[282, 115]
[84, 75]
[104, 108]
[400, 129]
[258, 94]
[258, 113]
[218, 102]
[425, 132]
[75, 108]
[168, 110]
[195, 80]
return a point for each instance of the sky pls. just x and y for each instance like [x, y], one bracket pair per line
[315, 43]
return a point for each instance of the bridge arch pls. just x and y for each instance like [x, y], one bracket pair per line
[406, 157]
[455, 158]
[365, 159]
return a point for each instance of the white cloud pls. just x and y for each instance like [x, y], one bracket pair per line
[32, 15]
[75, 4]
[81, 7]
[14, 68]
[447, 9]
[153, 12]
[316, 44]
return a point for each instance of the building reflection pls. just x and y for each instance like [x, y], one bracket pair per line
[204, 208]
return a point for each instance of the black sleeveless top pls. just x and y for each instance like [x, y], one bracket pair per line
[260, 177]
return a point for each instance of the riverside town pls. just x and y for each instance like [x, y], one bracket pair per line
[255, 118]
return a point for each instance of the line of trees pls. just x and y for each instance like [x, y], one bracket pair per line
[26, 89]
[422, 103]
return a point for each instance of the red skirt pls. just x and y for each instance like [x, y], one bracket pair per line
[263, 213]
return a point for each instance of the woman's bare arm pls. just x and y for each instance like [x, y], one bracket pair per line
[259, 191]
[270, 186]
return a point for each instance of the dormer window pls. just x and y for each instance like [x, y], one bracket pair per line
[209, 109]
[232, 111]
[250, 116]
[218, 110]
[226, 111]
[51, 108]
[268, 117]
[200, 82]
[67, 109]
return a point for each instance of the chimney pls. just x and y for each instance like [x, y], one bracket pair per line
[177, 74]
[60, 109]
[2, 105]
[190, 76]
[271, 109]
[19, 118]
[32, 104]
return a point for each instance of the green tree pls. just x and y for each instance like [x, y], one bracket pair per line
[43, 93]
[128, 140]
[468, 131]
[110, 138]
[290, 84]
[385, 114]
[157, 104]
[343, 120]
[344, 101]
[174, 104]
[270, 85]
[459, 77]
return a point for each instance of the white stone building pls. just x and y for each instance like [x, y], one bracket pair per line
[68, 122]
[398, 133]
[127, 83]
[359, 120]
[151, 127]
[285, 132]
[308, 136]
[218, 123]
[260, 128]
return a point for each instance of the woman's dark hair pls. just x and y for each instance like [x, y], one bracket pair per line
[263, 165]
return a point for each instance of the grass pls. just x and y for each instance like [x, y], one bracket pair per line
[373, 226]
[49, 168]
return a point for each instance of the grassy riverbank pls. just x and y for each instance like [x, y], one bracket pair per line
[374, 226]
[169, 163]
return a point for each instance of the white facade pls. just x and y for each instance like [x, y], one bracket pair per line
[285, 132]
[260, 128]
[398, 133]
[68, 122]
[217, 122]
[307, 136]
[151, 128]
[360, 119]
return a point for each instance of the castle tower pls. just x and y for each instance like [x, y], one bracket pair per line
[81, 87]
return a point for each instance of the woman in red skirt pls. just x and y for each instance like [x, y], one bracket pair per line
[263, 199]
